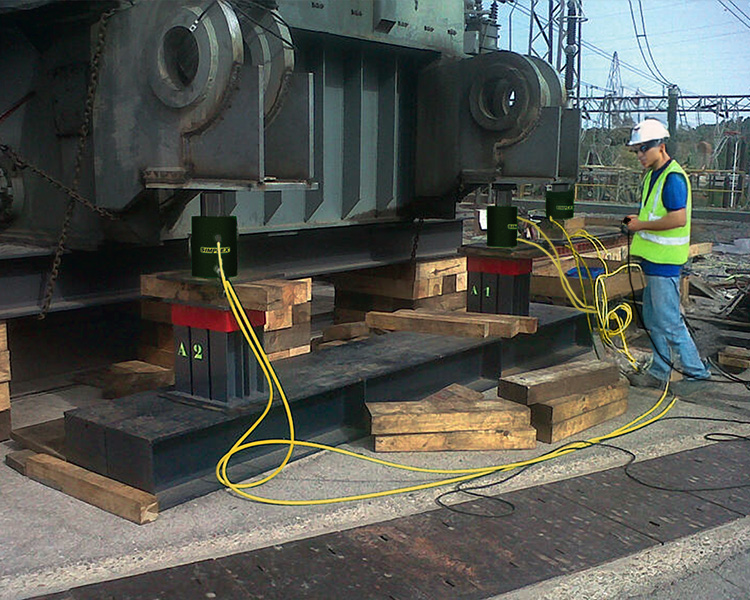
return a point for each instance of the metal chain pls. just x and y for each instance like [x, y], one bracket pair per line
[82, 137]
[415, 246]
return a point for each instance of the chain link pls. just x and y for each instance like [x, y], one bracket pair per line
[72, 192]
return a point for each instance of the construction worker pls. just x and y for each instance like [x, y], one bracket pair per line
[661, 238]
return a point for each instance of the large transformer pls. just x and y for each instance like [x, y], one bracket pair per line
[297, 117]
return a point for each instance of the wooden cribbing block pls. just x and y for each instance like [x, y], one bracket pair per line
[262, 295]
[394, 288]
[156, 356]
[345, 331]
[3, 336]
[700, 248]
[733, 356]
[560, 380]
[458, 324]
[4, 365]
[156, 310]
[289, 352]
[114, 497]
[129, 377]
[548, 416]
[515, 439]
[554, 432]
[523, 324]
[454, 408]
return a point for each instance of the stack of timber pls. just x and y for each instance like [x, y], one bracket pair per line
[4, 382]
[568, 398]
[285, 304]
[156, 342]
[431, 284]
[455, 418]
[464, 324]
[128, 377]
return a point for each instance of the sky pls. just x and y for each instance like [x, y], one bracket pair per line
[696, 44]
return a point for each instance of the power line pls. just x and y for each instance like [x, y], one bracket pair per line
[742, 12]
[734, 14]
[654, 70]
[596, 50]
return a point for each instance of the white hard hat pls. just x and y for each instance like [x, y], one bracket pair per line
[647, 131]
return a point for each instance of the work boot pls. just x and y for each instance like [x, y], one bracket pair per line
[646, 379]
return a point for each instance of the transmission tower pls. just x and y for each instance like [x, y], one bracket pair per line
[610, 118]
[556, 38]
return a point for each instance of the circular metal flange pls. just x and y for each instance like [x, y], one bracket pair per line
[269, 43]
[507, 94]
[555, 88]
[194, 60]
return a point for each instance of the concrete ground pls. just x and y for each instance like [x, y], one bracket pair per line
[52, 542]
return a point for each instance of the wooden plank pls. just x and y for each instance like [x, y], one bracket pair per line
[523, 324]
[443, 303]
[346, 315]
[302, 290]
[284, 339]
[114, 497]
[345, 331]
[261, 295]
[278, 319]
[5, 428]
[394, 288]
[156, 356]
[736, 352]
[5, 395]
[46, 438]
[158, 335]
[554, 432]
[17, 460]
[129, 377]
[567, 407]
[445, 415]
[440, 268]
[156, 310]
[407, 320]
[5, 365]
[736, 362]
[701, 248]
[558, 381]
[288, 353]
[301, 313]
[3, 336]
[509, 439]
[569, 225]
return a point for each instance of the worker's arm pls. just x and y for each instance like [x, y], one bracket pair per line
[675, 218]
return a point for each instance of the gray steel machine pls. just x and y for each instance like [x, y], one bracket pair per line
[298, 117]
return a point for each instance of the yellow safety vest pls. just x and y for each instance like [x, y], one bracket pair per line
[671, 246]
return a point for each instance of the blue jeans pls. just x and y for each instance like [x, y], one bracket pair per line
[662, 317]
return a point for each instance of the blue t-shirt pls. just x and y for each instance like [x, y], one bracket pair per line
[673, 197]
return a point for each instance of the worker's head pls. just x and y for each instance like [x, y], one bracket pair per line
[648, 141]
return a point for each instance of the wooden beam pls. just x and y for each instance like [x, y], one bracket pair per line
[345, 331]
[46, 438]
[557, 381]
[114, 497]
[442, 323]
[554, 432]
[567, 407]
[516, 439]
[446, 411]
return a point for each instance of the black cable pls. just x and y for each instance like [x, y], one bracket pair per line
[716, 437]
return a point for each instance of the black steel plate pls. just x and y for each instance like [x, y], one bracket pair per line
[723, 464]
[664, 516]
[197, 581]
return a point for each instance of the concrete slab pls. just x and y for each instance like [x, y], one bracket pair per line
[52, 542]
